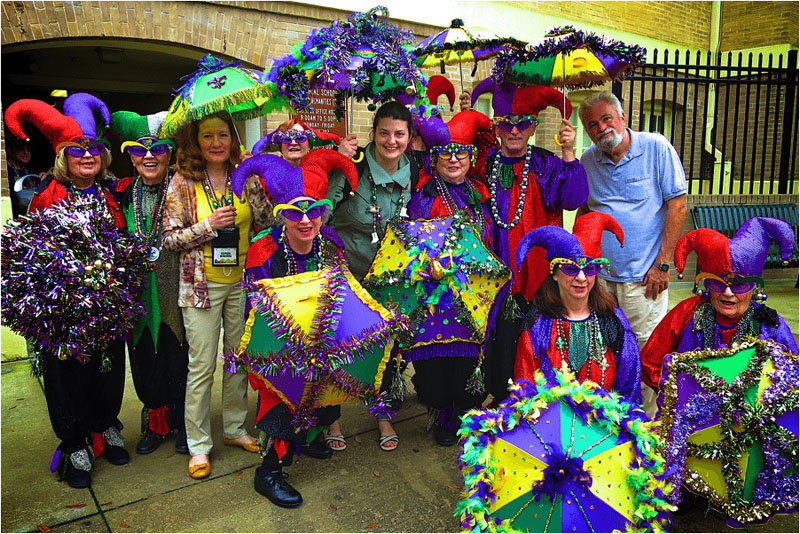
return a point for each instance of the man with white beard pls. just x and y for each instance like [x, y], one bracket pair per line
[637, 178]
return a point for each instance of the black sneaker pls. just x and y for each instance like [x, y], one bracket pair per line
[444, 437]
[149, 442]
[274, 487]
[181, 447]
[116, 455]
[77, 478]
[317, 449]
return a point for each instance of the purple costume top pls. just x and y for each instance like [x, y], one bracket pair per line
[554, 185]
[536, 344]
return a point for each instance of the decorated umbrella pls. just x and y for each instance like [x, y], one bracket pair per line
[365, 57]
[729, 419]
[570, 59]
[216, 86]
[563, 457]
[458, 44]
[439, 273]
[316, 339]
[71, 278]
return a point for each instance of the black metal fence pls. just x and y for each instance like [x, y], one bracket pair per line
[732, 119]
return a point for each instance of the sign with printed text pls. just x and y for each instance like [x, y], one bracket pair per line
[323, 118]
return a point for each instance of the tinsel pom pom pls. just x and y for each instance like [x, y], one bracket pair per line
[71, 278]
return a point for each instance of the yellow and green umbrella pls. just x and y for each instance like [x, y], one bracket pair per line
[316, 339]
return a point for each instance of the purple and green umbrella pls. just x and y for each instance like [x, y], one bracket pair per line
[440, 274]
[365, 57]
[316, 339]
[459, 44]
[729, 420]
[561, 457]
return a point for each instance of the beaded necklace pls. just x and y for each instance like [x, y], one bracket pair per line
[493, 181]
[313, 263]
[211, 194]
[705, 320]
[450, 204]
[156, 220]
[375, 210]
[101, 196]
[592, 345]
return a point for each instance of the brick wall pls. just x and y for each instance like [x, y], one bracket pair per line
[684, 23]
[744, 24]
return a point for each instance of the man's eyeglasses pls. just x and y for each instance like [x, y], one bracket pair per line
[570, 267]
[522, 122]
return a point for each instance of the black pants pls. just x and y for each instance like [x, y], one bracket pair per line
[441, 383]
[81, 398]
[278, 422]
[159, 376]
[389, 373]
[501, 350]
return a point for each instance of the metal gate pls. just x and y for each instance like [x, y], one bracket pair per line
[733, 120]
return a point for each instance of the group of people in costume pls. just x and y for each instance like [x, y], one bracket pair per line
[306, 209]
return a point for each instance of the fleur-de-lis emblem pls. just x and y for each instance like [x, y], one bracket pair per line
[217, 82]
[428, 227]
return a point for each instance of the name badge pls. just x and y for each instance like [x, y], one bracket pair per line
[225, 248]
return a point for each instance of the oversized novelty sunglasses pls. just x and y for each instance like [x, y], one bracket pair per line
[288, 136]
[78, 149]
[296, 211]
[453, 149]
[738, 284]
[522, 122]
[156, 147]
[570, 267]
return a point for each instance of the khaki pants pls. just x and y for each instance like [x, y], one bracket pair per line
[202, 334]
[643, 315]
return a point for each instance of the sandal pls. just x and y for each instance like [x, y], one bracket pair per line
[335, 442]
[383, 440]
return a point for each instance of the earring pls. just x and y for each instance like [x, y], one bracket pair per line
[700, 292]
[760, 296]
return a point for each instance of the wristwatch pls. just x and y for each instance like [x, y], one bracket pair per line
[663, 266]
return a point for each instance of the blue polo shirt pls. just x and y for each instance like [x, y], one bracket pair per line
[634, 192]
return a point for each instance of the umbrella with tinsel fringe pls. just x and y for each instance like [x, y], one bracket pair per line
[570, 59]
[317, 339]
[365, 57]
[458, 44]
[729, 419]
[71, 278]
[561, 457]
[217, 86]
[440, 274]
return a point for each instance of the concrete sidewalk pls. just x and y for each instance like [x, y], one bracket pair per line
[363, 489]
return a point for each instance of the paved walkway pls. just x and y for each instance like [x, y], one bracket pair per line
[363, 489]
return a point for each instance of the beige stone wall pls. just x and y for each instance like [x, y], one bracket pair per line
[684, 23]
[754, 24]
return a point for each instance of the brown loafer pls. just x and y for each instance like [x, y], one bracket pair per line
[249, 447]
[200, 470]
